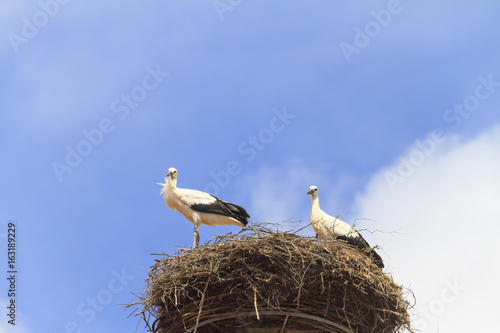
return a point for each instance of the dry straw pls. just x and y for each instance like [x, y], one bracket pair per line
[260, 280]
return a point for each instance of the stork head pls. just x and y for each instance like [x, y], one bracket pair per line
[171, 176]
[170, 181]
[313, 191]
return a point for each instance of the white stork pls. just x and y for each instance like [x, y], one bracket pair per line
[328, 226]
[200, 207]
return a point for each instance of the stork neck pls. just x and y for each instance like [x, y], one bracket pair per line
[315, 202]
[172, 183]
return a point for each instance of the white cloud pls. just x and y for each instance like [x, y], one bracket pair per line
[449, 212]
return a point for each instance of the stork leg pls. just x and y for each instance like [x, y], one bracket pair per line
[196, 240]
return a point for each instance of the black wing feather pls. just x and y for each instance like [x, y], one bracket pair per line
[225, 208]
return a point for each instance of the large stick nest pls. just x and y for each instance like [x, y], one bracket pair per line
[264, 281]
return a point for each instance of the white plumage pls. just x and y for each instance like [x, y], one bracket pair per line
[328, 226]
[200, 207]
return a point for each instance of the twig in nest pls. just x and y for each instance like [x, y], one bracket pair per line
[253, 229]
[284, 323]
[201, 305]
[255, 303]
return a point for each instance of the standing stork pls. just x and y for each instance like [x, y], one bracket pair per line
[328, 226]
[200, 207]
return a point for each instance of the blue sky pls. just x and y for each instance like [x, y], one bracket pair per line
[99, 99]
